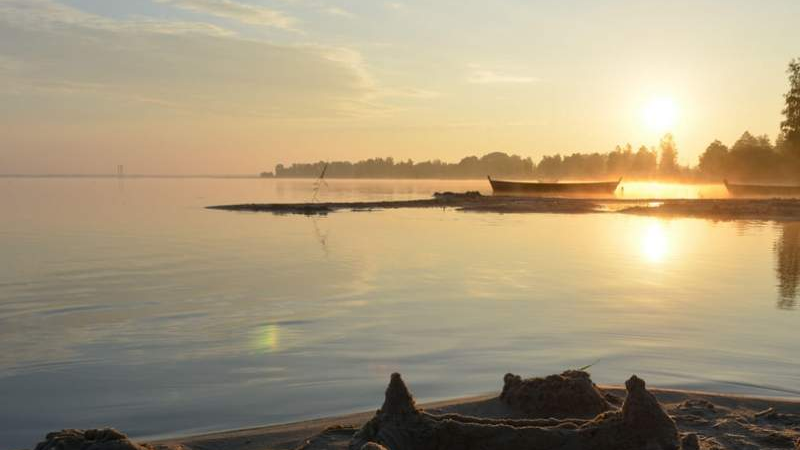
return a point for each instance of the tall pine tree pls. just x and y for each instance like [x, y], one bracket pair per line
[791, 126]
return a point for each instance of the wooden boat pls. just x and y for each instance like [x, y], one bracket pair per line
[762, 190]
[536, 188]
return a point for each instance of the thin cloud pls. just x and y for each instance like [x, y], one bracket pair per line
[409, 93]
[334, 11]
[94, 61]
[229, 9]
[47, 15]
[492, 77]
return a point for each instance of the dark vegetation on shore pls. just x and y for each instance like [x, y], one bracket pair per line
[750, 158]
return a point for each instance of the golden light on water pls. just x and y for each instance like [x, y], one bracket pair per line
[660, 190]
[655, 243]
[660, 114]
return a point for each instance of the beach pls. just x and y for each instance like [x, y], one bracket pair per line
[562, 405]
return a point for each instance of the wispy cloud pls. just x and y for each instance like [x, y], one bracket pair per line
[336, 11]
[484, 76]
[242, 12]
[48, 15]
[409, 93]
[73, 56]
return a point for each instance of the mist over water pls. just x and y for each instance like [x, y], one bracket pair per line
[125, 303]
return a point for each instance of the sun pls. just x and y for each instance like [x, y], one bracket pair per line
[660, 114]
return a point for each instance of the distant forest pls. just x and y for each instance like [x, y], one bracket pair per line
[751, 158]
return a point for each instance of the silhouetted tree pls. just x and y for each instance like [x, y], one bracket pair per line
[550, 167]
[668, 165]
[753, 158]
[714, 161]
[645, 162]
[620, 161]
[789, 140]
[790, 127]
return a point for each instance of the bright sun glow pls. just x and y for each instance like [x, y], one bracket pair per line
[660, 114]
[654, 243]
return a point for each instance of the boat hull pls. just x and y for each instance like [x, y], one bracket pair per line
[743, 190]
[533, 188]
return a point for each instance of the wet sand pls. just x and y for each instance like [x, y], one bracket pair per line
[719, 422]
[716, 209]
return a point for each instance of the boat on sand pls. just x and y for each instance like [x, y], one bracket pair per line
[762, 190]
[537, 188]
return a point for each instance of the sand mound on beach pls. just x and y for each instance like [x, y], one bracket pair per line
[97, 439]
[571, 394]
[641, 423]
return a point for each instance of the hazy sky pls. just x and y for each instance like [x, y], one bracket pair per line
[236, 86]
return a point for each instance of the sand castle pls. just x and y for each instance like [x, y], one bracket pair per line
[640, 424]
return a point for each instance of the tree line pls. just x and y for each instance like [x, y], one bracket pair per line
[623, 161]
[750, 158]
[497, 164]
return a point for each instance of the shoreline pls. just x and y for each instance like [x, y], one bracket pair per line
[339, 428]
[777, 209]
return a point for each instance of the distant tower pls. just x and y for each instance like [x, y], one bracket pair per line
[120, 170]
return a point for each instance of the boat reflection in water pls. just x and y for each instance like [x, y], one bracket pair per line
[787, 264]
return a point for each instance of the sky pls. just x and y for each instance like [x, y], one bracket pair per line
[237, 86]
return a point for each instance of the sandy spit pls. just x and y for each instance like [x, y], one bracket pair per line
[715, 209]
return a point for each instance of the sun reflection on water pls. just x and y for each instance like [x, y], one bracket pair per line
[654, 243]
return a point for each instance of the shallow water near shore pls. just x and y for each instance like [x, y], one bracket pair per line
[126, 303]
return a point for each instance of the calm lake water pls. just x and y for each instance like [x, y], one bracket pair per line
[125, 303]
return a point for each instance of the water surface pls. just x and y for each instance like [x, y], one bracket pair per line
[125, 303]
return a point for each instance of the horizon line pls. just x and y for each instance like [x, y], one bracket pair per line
[130, 175]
